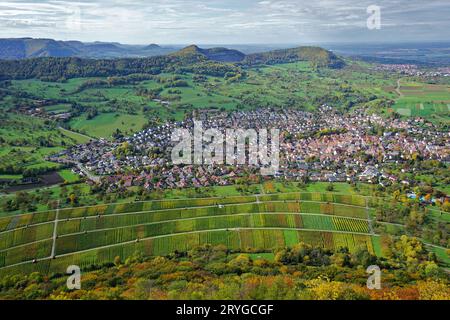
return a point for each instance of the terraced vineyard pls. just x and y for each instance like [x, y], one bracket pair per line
[94, 235]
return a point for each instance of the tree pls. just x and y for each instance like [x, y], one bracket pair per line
[73, 199]
[433, 290]
[117, 261]
[446, 206]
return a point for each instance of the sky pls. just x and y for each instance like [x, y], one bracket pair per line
[226, 21]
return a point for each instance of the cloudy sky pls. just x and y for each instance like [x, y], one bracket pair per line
[225, 21]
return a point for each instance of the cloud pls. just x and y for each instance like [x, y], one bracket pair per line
[224, 21]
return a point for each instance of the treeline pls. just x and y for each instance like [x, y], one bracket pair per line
[60, 69]
[172, 82]
[64, 68]
[113, 81]
[211, 68]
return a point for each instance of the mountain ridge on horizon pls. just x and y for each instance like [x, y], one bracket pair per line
[27, 47]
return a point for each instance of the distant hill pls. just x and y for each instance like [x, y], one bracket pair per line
[58, 60]
[62, 68]
[316, 55]
[152, 47]
[22, 48]
[215, 54]
[32, 48]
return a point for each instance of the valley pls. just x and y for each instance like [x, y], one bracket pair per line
[363, 175]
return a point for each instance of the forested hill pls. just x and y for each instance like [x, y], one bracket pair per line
[216, 54]
[316, 55]
[56, 69]
[215, 62]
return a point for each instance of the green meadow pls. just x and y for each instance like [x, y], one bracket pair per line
[69, 176]
[104, 125]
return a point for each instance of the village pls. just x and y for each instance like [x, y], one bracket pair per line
[323, 146]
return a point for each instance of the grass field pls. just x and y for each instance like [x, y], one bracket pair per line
[69, 176]
[75, 136]
[104, 125]
[58, 108]
[10, 176]
[442, 255]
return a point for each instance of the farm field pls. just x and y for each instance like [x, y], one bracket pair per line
[236, 240]
[185, 201]
[424, 100]
[95, 235]
[215, 191]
